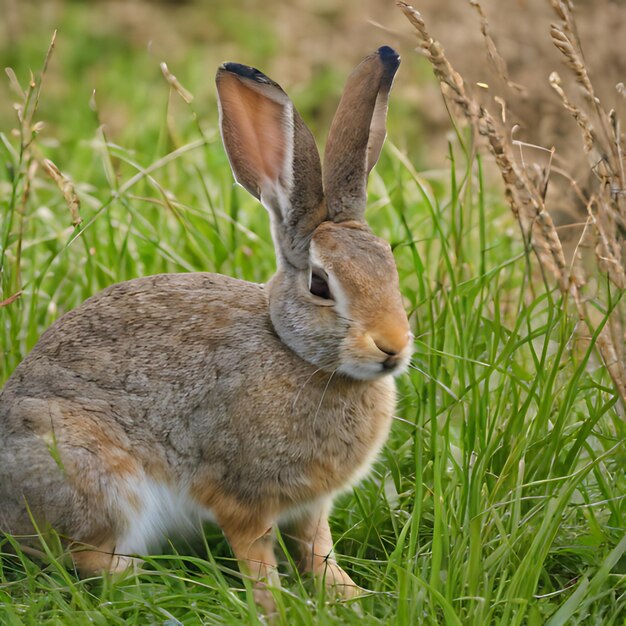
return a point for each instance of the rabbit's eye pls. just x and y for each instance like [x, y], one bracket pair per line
[319, 286]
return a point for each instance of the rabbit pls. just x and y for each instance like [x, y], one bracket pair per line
[169, 400]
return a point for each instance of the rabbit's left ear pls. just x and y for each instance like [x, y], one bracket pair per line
[273, 155]
[357, 135]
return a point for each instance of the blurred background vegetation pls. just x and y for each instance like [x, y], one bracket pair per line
[115, 47]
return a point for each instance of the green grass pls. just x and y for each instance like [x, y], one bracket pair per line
[500, 495]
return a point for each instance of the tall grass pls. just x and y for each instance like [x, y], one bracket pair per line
[499, 497]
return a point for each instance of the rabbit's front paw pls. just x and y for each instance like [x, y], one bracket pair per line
[265, 600]
[338, 582]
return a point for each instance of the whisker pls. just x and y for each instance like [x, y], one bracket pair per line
[295, 400]
[397, 418]
[345, 319]
[319, 406]
[438, 382]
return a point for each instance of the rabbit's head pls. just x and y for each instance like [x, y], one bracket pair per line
[335, 299]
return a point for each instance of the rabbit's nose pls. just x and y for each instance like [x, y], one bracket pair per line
[385, 349]
[392, 341]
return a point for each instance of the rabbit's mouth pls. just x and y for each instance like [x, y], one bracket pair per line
[372, 364]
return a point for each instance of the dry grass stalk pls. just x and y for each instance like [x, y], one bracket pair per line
[492, 51]
[525, 198]
[67, 188]
[607, 205]
[25, 167]
[186, 95]
[580, 116]
[525, 182]
[11, 299]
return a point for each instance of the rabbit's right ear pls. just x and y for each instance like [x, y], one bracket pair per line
[273, 155]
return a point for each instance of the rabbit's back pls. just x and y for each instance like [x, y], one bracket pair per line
[157, 333]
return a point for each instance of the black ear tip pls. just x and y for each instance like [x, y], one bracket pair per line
[389, 57]
[245, 71]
